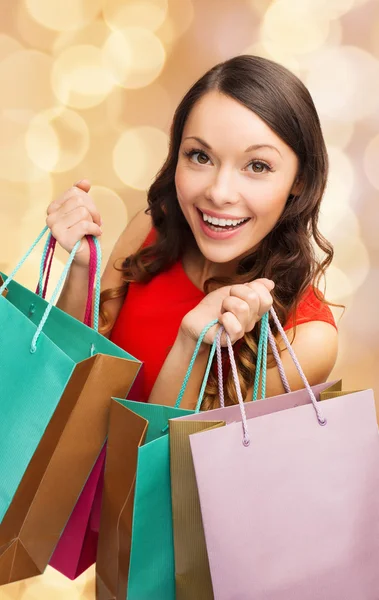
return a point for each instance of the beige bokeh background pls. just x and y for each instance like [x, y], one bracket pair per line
[88, 88]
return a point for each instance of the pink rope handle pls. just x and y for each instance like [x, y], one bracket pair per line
[321, 419]
[278, 361]
[246, 439]
[47, 265]
[220, 377]
[91, 281]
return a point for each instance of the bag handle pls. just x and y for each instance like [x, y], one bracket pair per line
[261, 363]
[45, 268]
[245, 432]
[192, 362]
[260, 368]
[320, 418]
[38, 332]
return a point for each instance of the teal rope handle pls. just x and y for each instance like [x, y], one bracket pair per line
[264, 355]
[19, 265]
[33, 346]
[96, 308]
[261, 364]
[190, 367]
[192, 361]
[206, 375]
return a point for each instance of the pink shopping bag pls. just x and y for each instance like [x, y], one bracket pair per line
[77, 546]
[290, 500]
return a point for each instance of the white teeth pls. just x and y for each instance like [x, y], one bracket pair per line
[222, 222]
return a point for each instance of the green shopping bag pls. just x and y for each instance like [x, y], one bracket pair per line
[135, 558]
[43, 352]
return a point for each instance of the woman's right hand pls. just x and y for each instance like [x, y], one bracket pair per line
[238, 308]
[73, 216]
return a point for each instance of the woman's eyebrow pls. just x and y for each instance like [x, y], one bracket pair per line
[194, 137]
[249, 149]
[259, 146]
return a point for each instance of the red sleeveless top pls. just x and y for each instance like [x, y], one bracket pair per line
[150, 317]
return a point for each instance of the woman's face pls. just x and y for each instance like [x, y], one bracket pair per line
[233, 177]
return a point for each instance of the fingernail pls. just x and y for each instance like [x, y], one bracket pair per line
[101, 222]
[77, 183]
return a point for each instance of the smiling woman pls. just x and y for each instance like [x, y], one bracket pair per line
[230, 229]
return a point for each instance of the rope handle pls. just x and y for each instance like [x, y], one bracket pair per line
[192, 362]
[321, 419]
[245, 432]
[261, 363]
[45, 268]
[37, 334]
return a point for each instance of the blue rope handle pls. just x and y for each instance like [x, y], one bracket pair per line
[19, 265]
[190, 367]
[38, 332]
[192, 361]
[96, 309]
[261, 365]
[206, 375]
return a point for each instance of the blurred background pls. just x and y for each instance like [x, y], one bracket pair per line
[88, 89]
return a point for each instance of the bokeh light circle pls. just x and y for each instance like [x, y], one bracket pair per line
[79, 77]
[15, 164]
[57, 140]
[134, 56]
[349, 86]
[138, 155]
[371, 162]
[63, 15]
[283, 26]
[148, 14]
[338, 193]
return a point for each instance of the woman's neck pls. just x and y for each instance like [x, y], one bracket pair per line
[198, 269]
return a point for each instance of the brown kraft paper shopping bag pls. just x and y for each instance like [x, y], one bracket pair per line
[127, 432]
[60, 466]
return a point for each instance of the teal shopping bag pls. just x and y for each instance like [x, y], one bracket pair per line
[41, 349]
[135, 558]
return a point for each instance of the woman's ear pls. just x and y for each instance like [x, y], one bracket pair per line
[297, 187]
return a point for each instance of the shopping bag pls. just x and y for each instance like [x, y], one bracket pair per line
[192, 575]
[57, 379]
[77, 545]
[289, 500]
[135, 558]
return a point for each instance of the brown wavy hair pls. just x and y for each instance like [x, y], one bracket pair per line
[289, 254]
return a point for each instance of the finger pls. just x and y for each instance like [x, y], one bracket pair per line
[75, 198]
[69, 237]
[264, 295]
[66, 220]
[258, 298]
[83, 184]
[268, 283]
[232, 327]
[241, 310]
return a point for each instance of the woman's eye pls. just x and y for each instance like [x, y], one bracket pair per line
[257, 166]
[199, 157]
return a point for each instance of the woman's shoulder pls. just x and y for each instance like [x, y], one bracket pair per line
[311, 307]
